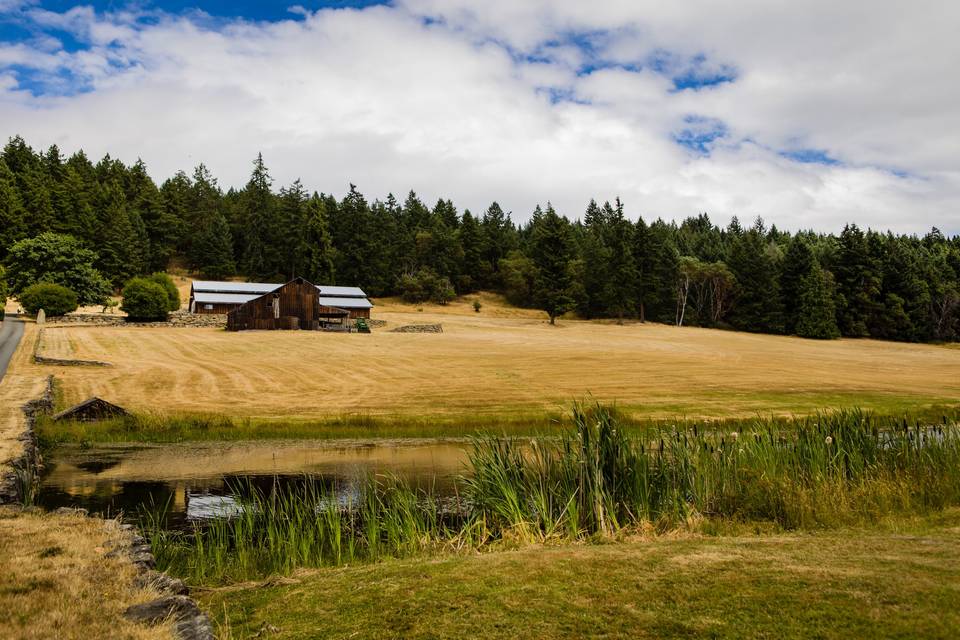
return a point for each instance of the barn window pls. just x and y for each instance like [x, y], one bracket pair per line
[208, 306]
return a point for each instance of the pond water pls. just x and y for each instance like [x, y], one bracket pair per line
[195, 480]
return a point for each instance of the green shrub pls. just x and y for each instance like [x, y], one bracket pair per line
[477, 306]
[426, 285]
[55, 300]
[145, 300]
[165, 281]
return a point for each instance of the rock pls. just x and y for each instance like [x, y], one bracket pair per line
[190, 623]
[41, 316]
[419, 328]
[265, 630]
[70, 511]
[143, 561]
[162, 583]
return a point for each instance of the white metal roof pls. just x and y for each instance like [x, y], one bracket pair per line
[212, 286]
[346, 303]
[341, 292]
[204, 297]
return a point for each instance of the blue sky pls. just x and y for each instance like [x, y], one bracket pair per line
[810, 116]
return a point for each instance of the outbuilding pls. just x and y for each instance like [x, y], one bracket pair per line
[210, 296]
[295, 305]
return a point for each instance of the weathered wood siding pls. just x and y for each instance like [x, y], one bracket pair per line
[217, 308]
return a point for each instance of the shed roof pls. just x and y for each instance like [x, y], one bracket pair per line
[213, 286]
[346, 303]
[341, 292]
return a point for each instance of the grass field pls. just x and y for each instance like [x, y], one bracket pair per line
[896, 582]
[500, 362]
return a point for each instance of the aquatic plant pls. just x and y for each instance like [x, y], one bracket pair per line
[280, 529]
[826, 470]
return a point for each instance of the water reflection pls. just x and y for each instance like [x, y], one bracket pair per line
[194, 481]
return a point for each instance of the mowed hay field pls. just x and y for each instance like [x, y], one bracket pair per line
[499, 361]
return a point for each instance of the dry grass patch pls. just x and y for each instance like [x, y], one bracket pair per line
[56, 582]
[484, 365]
[23, 381]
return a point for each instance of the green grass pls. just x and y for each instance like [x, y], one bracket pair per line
[166, 428]
[900, 579]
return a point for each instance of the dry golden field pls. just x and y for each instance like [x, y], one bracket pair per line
[499, 361]
[23, 381]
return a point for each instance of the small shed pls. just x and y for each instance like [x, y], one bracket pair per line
[295, 305]
[90, 410]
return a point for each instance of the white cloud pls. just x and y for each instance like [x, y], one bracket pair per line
[386, 100]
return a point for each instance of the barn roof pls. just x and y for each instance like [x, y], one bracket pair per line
[213, 286]
[346, 303]
[259, 288]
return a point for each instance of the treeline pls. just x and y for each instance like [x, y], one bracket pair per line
[755, 278]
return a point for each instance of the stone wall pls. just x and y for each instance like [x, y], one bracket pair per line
[26, 467]
[177, 319]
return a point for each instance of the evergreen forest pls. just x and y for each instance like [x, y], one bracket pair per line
[601, 263]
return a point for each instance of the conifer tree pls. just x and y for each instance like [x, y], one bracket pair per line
[757, 305]
[12, 224]
[290, 241]
[816, 316]
[319, 250]
[499, 238]
[858, 282]
[257, 213]
[213, 248]
[621, 267]
[473, 271]
[797, 265]
[551, 251]
[118, 238]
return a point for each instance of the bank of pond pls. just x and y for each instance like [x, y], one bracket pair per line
[256, 509]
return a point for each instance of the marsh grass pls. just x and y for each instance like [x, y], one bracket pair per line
[598, 479]
[840, 468]
[281, 529]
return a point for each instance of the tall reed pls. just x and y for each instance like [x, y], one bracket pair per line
[829, 469]
[278, 530]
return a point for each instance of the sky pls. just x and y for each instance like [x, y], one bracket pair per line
[809, 114]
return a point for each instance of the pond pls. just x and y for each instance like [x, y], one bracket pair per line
[194, 480]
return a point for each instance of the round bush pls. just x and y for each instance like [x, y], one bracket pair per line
[144, 300]
[54, 299]
[173, 295]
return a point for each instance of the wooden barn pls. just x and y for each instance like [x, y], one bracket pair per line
[295, 305]
[207, 296]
